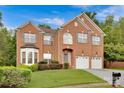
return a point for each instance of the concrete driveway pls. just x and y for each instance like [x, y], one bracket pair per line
[106, 74]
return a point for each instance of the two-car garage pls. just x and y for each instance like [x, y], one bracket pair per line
[84, 62]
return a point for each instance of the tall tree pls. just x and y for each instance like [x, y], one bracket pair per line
[45, 25]
[7, 48]
[92, 16]
[1, 24]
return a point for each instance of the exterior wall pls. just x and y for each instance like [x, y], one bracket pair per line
[53, 48]
[88, 48]
[20, 42]
[57, 47]
[114, 64]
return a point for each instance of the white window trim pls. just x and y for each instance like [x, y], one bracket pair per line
[28, 38]
[95, 41]
[27, 50]
[47, 38]
[67, 39]
[84, 39]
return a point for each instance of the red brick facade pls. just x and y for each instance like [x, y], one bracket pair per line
[80, 24]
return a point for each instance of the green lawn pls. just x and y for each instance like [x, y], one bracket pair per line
[56, 78]
[117, 68]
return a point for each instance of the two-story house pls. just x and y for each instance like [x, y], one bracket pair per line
[78, 42]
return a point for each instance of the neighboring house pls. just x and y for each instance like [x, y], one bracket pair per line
[78, 42]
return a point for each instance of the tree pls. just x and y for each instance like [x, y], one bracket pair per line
[92, 16]
[44, 25]
[1, 24]
[121, 26]
[107, 27]
[7, 48]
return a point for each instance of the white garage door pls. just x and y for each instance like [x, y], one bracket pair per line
[96, 63]
[82, 62]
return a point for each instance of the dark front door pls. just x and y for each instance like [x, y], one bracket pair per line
[67, 56]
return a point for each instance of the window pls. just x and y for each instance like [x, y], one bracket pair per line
[30, 58]
[47, 40]
[82, 38]
[23, 57]
[67, 38]
[35, 57]
[29, 38]
[47, 56]
[96, 40]
[75, 24]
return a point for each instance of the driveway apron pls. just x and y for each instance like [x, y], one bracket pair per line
[106, 74]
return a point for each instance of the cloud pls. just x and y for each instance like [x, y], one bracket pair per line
[116, 11]
[82, 6]
[53, 21]
[10, 27]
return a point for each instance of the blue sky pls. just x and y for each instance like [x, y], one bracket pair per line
[14, 16]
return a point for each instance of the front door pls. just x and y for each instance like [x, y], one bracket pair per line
[67, 57]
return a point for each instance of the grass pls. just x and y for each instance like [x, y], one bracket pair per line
[117, 68]
[57, 78]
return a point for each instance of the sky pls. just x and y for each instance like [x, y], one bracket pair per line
[54, 15]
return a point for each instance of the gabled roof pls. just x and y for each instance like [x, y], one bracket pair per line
[27, 23]
[79, 20]
[40, 29]
[47, 30]
[93, 23]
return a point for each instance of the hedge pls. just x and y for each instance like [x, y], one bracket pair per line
[42, 65]
[12, 77]
[33, 67]
[66, 65]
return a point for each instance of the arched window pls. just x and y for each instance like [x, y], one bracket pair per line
[67, 38]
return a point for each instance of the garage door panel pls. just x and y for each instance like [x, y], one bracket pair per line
[82, 62]
[96, 63]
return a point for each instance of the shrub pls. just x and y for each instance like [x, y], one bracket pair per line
[55, 66]
[43, 66]
[14, 77]
[33, 67]
[66, 65]
[26, 73]
[43, 62]
[54, 62]
[24, 66]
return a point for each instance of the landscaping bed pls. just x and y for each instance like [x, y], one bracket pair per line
[56, 78]
[13, 77]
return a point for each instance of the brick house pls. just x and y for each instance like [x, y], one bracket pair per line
[78, 42]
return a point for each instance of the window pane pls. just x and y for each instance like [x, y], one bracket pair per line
[35, 57]
[29, 38]
[23, 57]
[67, 38]
[47, 40]
[96, 40]
[30, 57]
[82, 38]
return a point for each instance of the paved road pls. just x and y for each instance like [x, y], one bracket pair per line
[107, 75]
